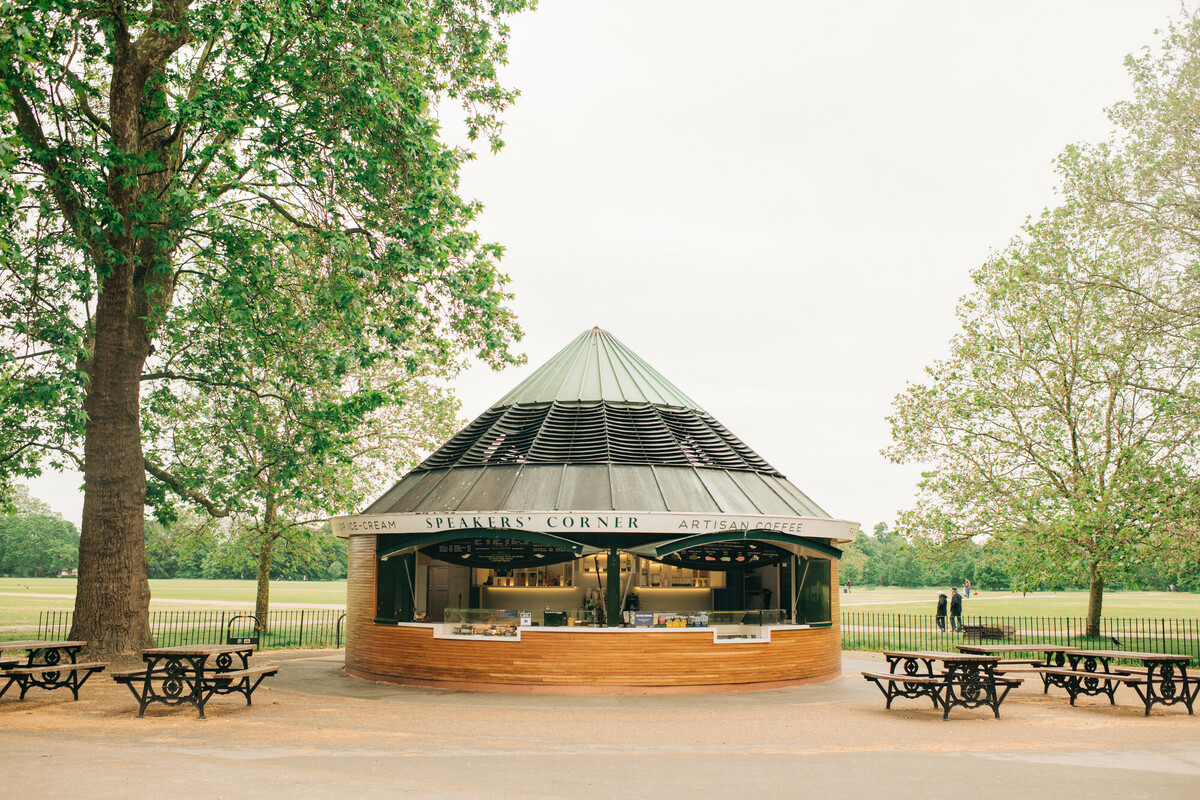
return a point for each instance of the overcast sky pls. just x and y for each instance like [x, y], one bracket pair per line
[778, 204]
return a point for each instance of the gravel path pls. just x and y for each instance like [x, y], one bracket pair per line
[314, 732]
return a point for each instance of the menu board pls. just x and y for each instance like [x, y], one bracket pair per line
[741, 554]
[491, 553]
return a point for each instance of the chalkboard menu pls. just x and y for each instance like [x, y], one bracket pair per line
[489, 553]
[726, 556]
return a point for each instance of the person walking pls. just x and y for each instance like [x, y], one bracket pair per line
[967, 587]
[849, 585]
[955, 610]
[940, 615]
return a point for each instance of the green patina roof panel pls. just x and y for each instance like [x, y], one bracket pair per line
[492, 489]
[725, 491]
[683, 490]
[449, 492]
[633, 485]
[794, 497]
[586, 486]
[764, 496]
[597, 368]
[408, 493]
[536, 489]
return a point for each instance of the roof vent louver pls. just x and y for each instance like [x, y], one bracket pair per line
[597, 433]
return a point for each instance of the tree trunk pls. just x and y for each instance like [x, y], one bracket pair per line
[112, 600]
[262, 600]
[1095, 601]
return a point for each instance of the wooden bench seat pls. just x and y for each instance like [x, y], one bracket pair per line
[1116, 675]
[1092, 684]
[899, 684]
[51, 676]
[1078, 682]
[899, 676]
[241, 681]
[125, 676]
[237, 674]
[93, 666]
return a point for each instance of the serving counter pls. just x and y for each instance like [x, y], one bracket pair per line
[592, 659]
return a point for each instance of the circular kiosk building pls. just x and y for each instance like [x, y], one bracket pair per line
[595, 530]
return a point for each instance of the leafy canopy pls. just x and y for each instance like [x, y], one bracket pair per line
[192, 149]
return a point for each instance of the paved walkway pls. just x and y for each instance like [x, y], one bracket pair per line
[315, 733]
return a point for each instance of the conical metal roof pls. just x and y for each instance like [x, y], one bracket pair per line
[596, 428]
[596, 368]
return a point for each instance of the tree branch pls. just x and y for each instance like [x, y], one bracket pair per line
[177, 486]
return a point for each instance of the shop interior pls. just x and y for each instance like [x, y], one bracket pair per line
[463, 583]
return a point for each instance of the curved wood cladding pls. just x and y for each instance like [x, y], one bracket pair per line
[576, 659]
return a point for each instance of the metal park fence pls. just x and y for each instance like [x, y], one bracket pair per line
[285, 628]
[865, 630]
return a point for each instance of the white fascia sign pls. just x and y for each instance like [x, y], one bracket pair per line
[564, 523]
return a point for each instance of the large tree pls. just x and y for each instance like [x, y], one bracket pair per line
[155, 153]
[1041, 428]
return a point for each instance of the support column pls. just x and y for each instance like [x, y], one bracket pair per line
[612, 590]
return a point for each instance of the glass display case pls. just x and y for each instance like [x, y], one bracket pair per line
[744, 624]
[481, 622]
[725, 624]
[669, 619]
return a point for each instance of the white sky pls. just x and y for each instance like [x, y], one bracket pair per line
[777, 204]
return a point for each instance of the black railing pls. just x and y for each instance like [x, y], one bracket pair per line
[285, 628]
[866, 630]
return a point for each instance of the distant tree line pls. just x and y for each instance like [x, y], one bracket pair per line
[37, 546]
[37, 543]
[34, 541]
[191, 547]
[886, 558]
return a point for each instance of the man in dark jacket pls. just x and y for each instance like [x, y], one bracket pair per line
[941, 612]
[955, 610]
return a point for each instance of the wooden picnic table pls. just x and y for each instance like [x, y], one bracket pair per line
[967, 680]
[182, 674]
[1052, 655]
[1162, 677]
[47, 665]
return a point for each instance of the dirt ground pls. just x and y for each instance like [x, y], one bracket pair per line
[314, 732]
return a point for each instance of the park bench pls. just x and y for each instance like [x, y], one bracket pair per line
[936, 686]
[990, 632]
[895, 685]
[47, 665]
[129, 675]
[241, 681]
[1162, 678]
[1007, 666]
[1089, 682]
[967, 680]
[177, 675]
[51, 676]
[223, 682]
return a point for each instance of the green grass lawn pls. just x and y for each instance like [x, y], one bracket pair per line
[21, 599]
[20, 603]
[1148, 605]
